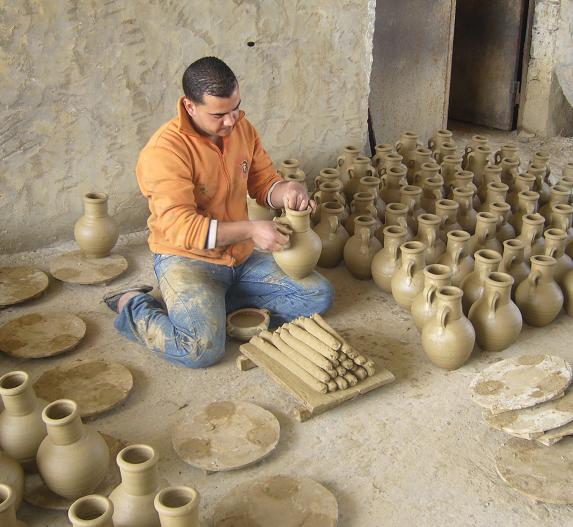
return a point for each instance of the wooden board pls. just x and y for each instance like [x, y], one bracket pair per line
[313, 402]
[18, 284]
[75, 268]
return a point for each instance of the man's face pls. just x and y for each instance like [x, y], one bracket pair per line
[216, 116]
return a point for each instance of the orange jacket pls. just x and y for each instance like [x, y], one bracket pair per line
[188, 181]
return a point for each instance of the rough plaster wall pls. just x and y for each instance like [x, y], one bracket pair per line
[85, 83]
[564, 50]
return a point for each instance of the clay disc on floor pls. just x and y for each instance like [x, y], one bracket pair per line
[226, 435]
[18, 284]
[37, 494]
[521, 382]
[542, 473]
[41, 334]
[76, 269]
[280, 501]
[97, 386]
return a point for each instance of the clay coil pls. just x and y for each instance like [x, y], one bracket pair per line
[312, 341]
[305, 350]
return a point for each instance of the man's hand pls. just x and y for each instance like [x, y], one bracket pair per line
[292, 195]
[269, 235]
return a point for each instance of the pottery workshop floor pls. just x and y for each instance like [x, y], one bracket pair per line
[413, 453]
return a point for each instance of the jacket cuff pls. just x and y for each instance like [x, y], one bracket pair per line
[269, 194]
[211, 241]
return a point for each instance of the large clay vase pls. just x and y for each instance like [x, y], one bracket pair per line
[427, 170]
[476, 140]
[522, 183]
[486, 261]
[448, 338]
[73, 459]
[21, 426]
[527, 203]
[178, 507]
[539, 297]
[559, 195]
[424, 305]
[392, 181]
[496, 191]
[92, 511]
[504, 230]
[421, 155]
[485, 236]
[11, 474]
[380, 152]
[360, 168]
[406, 147]
[96, 232]
[555, 241]
[447, 210]
[440, 137]
[386, 262]
[531, 234]
[457, 257]
[300, 258]
[496, 319]
[332, 234]
[408, 280]
[362, 205]
[477, 160]
[411, 196]
[361, 248]
[507, 151]
[258, 212]
[448, 148]
[329, 191]
[8, 507]
[513, 262]
[133, 498]
[345, 161]
[429, 235]
[372, 184]
[432, 191]
[451, 168]
[467, 215]
[491, 174]
[509, 171]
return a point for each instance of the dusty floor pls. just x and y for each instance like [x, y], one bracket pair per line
[412, 453]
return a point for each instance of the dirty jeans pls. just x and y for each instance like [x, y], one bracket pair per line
[199, 294]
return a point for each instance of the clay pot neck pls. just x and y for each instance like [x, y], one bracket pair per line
[542, 268]
[449, 304]
[562, 216]
[8, 507]
[17, 393]
[496, 192]
[532, 227]
[486, 261]
[138, 467]
[176, 502]
[486, 226]
[499, 284]
[328, 174]
[513, 250]
[394, 236]
[91, 511]
[332, 208]
[408, 140]
[555, 242]
[299, 220]
[436, 275]
[413, 251]
[95, 205]
[63, 422]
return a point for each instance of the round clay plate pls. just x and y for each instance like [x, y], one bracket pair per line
[542, 473]
[97, 386]
[226, 435]
[41, 334]
[246, 323]
[521, 382]
[76, 269]
[18, 284]
[280, 501]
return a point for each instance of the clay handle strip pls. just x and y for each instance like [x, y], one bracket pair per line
[370, 368]
[351, 379]
[290, 365]
[361, 360]
[312, 341]
[360, 372]
[341, 371]
[332, 386]
[346, 348]
[341, 382]
[345, 361]
[321, 334]
[306, 351]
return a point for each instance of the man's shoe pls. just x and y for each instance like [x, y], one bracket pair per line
[112, 299]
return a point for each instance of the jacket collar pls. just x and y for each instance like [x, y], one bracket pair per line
[184, 121]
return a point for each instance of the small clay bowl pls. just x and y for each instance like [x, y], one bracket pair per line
[246, 323]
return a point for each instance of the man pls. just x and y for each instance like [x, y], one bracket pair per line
[195, 172]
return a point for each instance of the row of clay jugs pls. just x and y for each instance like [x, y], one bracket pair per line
[424, 304]
[386, 262]
[506, 151]
[361, 247]
[531, 234]
[406, 147]
[504, 230]
[457, 257]
[495, 317]
[362, 205]
[526, 204]
[290, 171]
[485, 236]
[96, 232]
[429, 235]
[8, 508]
[392, 181]
[372, 184]
[21, 426]
[555, 242]
[448, 338]
[332, 234]
[12, 474]
[513, 261]
[447, 210]
[380, 152]
[485, 261]
[467, 215]
[408, 280]
[360, 168]
[559, 195]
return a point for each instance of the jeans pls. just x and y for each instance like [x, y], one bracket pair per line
[198, 295]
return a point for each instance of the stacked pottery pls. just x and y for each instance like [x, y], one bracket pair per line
[372, 184]
[96, 232]
[92, 511]
[361, 248]
[406, 147]
[555, 240]
[392, 181]
[411, 196]
[477, 160]
[507, 151]
[345, 161]
[477, 140]
[408, 280]
[362, 205]
[539, 297]
[513, 261]
[11, 474]
[523, 183]
[386, 261]
[496, 319]
[380, 152]
[457, 257]
[424, 304]
[502, 210]
[486, 261]
[178, 507]
[360, 168]
[467, 215]
[8, 508]
[432, 191]
[429, 235]
[447, 211]
[526, 204]
[485, 236]
[448, 338]
[491, 174]
[332, 234]
[559, 195]
[531, 234]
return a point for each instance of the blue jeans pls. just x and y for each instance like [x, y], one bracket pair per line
[199, 294]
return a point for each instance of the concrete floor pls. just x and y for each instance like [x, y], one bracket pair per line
[415, 452]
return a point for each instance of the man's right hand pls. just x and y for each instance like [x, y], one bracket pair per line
[269, 235]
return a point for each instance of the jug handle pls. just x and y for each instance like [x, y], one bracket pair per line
[398, 146]
[534, 277]
[283, 226]
[430, 293]
[409, 272]
[493, 302]
[332, 223]
[497, 157]
[444, 316]
[457, 256]
[364, 239]
[431, 143]
[340, 161]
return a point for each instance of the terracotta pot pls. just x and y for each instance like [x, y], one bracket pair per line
[531, 234]
[386, 262]
[467, 215]
[380, 151]
[502, 210]
[329, 191]
[345, 161]
[447, 210]
[457, 257]
[332, 234]
[408, 280]
[507, 151]
[421, 155]
[411, 196]
[541, 185]
[392, 181]
[432, 190]
[362, 205]
[448, 148]
[258, 212]
[448, 338]
[424, 304]
[485, 233]
[477, 160]
[133, 498]
[495, 192]
[406, 146]
[361, 248]
[539, 297]
[11, 474]
[522, 183]
[440, 137]
[300, 258]
[8, 508]
[451, 169]
[496, 319]
[21, 426]
[73, 459]
[491, 174]
[92, 511]
[178, 507]
[513, 262]
[372, 184]
[427, 170]
[560, 195]
[526, 204]
[360, 168]
[486, 261]
[568, 293]
[555, 243]
[509, 171]
[429, 235]
[476, 140]
[96, 232]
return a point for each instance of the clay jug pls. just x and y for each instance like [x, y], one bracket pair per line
[539, 297]
[290, 171]
[391, 160]
[424, 304]
[448, 338]
[361, 248]
[449, 148]
[386, 262]
[8, 508]
[542, 158]
[408, 280]
[447, 210]
[440, 137]
[380, 151]
[507, 151]
[421, 155]
[96, 232]
[178, 507]
[429, 235]
[464, 180]
[495, 192]
[21, 426]
[486, 261]
[372, 184]
[509, 171]
[522, 183]
[11, 474]
[133, 498]
[496, 319]
[427, 170]
[73, 459]
[467, 215]
[567, 170]
[451, 168]
[345, 161]
[329, 175]
[329, 191]
[411, 196]
[567, 181]
[526, 204]
[362, 205]
[485, 236]
[491, 174]
[392, 181]
[360, 168]
[432, 190]
[555, 242]
[456, 257]
[92, 511]
[541, 185]
[258, 212]
[406, 147]
[477, 161]
[513, 262]
[531, 234]
[332, 234]
[476, 140]
[561, 218]
[502, 210]
[559, 196]
[396, 214]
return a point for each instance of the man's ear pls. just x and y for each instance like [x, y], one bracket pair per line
[190, 106]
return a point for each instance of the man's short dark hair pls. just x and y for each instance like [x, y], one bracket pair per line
[210, 76]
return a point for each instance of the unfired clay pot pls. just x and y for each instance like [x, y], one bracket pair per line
[447, 210]
[345, 161]
[397, 214]
[457, 257]
[411, 196]
[133, 498]
[73, 459]
[440, 137]
[406, 146]
[531, 234]
[386, 262]
[539, 297]
[92, 511]
[491, 174]
[392, 181]
[507, 151]
[432, 191]
[362, 205]
[555, 240]
[391, 160]
[258, 212]
[381, 151]
[485, 236]
[522, 183]
[448, 148]
[427, 170]
[329, 191]
[178, 507]
[301, 257]
[559, 195]
[477, 160]
[464, 180]
[408, 280]
[429, 235]
[332, 234]
[513, 261]
[539, 170]
[467, 215]
[451, 168]
[11, 474]
[509, 171]
[246, 323]
[448, 338]
[21, 426]
[496, 319]
[361, 248]
[424, 304]
[290, 171]
[496, 191]
[486, 261]
[327, 175]
[372, 184]
[8, 508]
[504, 230]
[96, 232]
[421, 155]
[360, 168]
[526, 204]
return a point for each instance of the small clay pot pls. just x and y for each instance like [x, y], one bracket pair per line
[560, 195]
[421, 155]
[178, 507]
[447, 148]
[360, 168]
[362, 205]
[411, 196]
[92, 511]
[393, 179]
[8, 508]
[464, 180]
[522, 183]
[486, 262]
[447, 210]
[96, 232]
[429, 169]
[440, 137]
[406, 146]
[243, 324]
[424, 304]
[397, 214]
[491, 174]
[507, 151]
[457, 257]
[509, 171]
[361, 248]
[451, 170]
[290, 171]
[329, 191]
[372, 184]
[477, 160]
[504, 230]
[408, 280]
[496, 191]
[432, 191]
[386, 262]
[526, 204]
